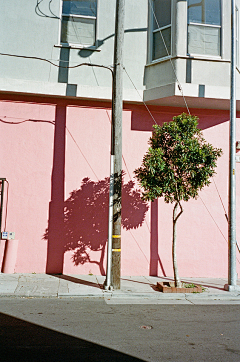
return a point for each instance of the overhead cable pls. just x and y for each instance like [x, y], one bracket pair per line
[55, 65]
[140, 96]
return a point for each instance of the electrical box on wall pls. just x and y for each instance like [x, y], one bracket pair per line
[4, 235]
[8, 235]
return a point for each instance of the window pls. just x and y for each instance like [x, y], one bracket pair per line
[204, 27]
[237, 37]
[79, 22]
[161, 24]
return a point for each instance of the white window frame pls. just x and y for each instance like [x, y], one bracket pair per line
[158, 31]
[207, 26]
[237, 37]
[78, 45]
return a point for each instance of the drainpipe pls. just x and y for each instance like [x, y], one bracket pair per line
[1, 210]
[232, 273]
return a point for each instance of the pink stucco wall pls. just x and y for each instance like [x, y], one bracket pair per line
[50, 167]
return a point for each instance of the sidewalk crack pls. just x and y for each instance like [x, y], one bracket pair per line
[189, 300]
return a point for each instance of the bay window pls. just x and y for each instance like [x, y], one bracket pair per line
[204, 27]
[237, 37]
[161, 21]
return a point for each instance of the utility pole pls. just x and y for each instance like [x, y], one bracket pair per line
[117, 142]
[232, 272]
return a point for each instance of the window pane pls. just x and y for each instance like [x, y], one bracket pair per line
[204, 11]
[162, 9]
[80, 7]
[78, 30]
[237, 37]
[159, 50]
[203, 40]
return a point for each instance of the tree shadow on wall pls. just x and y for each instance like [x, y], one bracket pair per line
[85, 225]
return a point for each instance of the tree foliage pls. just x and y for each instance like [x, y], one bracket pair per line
[179, 161]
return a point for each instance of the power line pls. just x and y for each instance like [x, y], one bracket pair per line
[39, 12]
[55, 65]
[140, 96]
[53, 123]
[27, 120]
[82, 153]
[122, 155]
[215, 222]
[226, 215]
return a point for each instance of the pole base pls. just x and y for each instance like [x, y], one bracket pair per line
[232, 288]
[107, 287]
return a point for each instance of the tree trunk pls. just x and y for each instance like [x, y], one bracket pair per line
[177, 280]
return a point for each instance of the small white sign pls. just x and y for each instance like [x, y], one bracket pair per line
[4, 235]
[237, 158]
[11, 235]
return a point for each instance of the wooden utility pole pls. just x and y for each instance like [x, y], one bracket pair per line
[117, 142]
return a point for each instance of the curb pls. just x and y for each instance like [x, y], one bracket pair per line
[118, 295]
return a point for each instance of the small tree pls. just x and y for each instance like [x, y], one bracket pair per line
[178, 164]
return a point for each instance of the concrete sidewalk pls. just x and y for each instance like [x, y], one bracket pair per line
[133, 289]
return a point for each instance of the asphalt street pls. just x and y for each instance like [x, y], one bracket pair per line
[90, 329]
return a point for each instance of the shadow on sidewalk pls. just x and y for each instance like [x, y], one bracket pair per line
[151, 285]
[77, 280]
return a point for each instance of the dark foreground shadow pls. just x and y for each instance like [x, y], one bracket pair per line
[24, 341]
